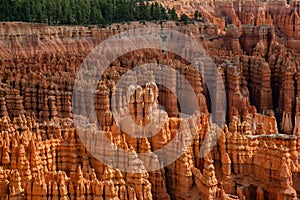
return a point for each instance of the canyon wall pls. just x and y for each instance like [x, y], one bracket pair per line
[42, 155]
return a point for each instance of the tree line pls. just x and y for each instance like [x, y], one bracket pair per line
[83, 12]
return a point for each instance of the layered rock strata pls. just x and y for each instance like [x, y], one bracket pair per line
[255, 156]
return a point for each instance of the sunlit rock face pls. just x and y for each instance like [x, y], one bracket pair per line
[255, 155]
[284, 16]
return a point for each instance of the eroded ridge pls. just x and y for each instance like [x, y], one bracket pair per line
[256, 155]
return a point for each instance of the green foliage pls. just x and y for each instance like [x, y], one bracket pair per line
[184, 18]
[82, 12]
[172, 13]
[196, 14]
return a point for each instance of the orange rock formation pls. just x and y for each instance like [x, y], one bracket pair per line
[256, 155]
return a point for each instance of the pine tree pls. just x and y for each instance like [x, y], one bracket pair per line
[82, 12]
[66, 17]
[173, 15]
[184, 18]
[156, 12]
[196, 14]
